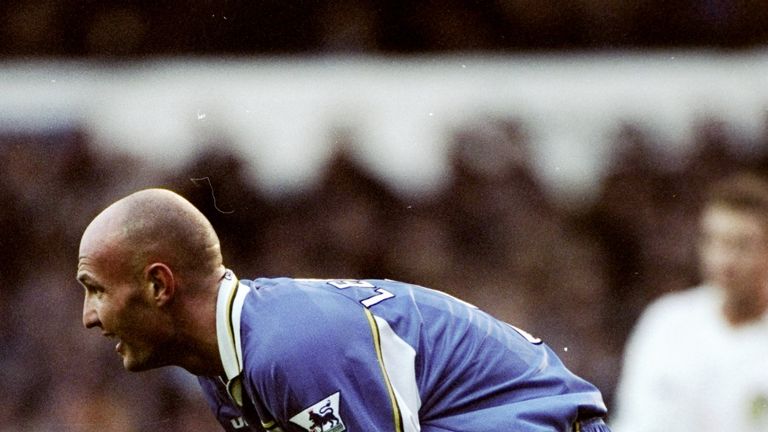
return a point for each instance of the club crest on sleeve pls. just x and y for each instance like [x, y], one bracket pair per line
[321, 417]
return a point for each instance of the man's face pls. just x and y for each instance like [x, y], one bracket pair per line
[120, 304]
[734, 252]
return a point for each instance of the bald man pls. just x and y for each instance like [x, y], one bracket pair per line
[313, 355]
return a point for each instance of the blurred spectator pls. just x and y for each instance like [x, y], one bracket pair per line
[618, 220]
[351, 214]
[695, 360]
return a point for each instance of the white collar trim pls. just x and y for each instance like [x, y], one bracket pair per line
[229, 306]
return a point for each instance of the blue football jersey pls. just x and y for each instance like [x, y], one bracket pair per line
[379, 355]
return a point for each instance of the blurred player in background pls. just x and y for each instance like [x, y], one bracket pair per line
[696, 360]
[313, 355]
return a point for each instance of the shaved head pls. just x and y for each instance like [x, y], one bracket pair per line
[155, 225]
[150, 264]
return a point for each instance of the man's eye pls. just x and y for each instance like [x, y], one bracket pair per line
[97, 290]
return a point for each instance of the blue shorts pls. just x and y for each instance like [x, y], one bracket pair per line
[592, 425]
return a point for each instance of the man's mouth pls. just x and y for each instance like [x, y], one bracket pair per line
[119, 345]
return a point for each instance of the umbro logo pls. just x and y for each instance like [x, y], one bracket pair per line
[323, 416]
[238, 423]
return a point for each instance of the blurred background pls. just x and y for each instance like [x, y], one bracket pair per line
[543, 160]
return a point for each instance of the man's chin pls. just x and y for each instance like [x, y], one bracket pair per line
[132, 364]
[135, 365]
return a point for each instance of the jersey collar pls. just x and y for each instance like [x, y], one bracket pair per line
[229, 306]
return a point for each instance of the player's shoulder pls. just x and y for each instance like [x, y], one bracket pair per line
[272, 292]
[303, 306]
[683, 299]
[322, 293]
[292, 328]
[688, 306]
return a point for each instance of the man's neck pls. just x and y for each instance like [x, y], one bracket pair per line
[200, 353]
[745, 312]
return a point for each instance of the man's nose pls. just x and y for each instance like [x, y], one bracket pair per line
[90, 317]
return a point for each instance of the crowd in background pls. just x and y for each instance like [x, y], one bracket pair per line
[577, 276]
[140, 28]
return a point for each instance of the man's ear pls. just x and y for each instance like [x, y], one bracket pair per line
[163, 284]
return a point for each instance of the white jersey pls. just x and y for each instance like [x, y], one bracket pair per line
[687, 369]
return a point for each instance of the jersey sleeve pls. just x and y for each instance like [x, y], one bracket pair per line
[325, 368]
